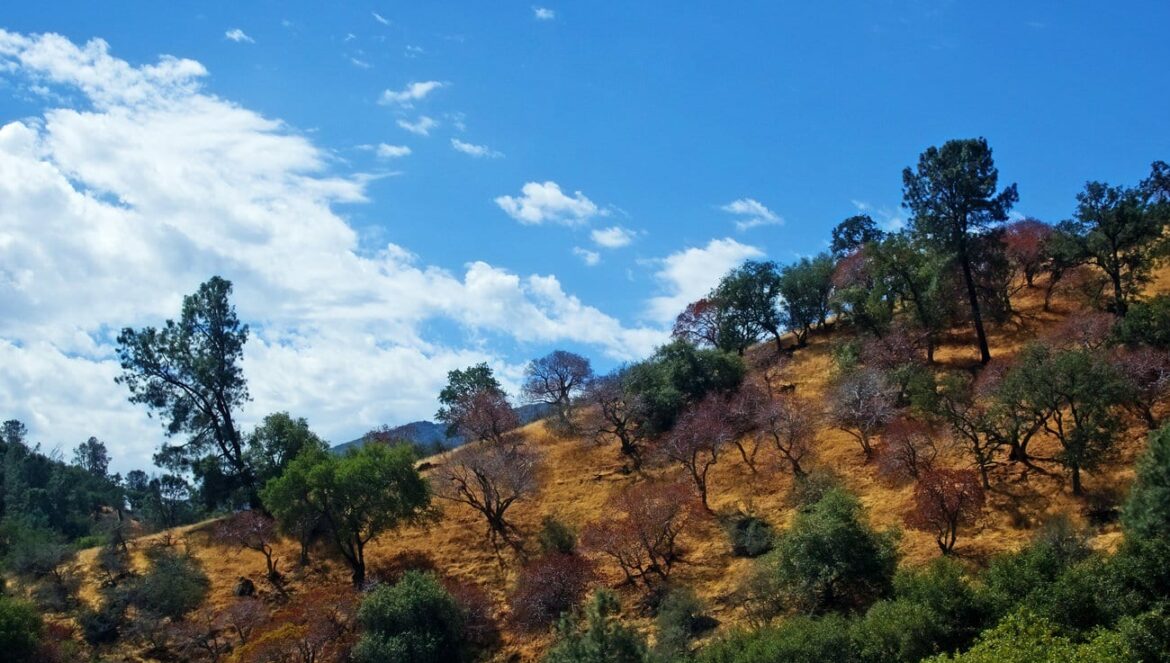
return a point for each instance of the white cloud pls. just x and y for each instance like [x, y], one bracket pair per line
[415, 91]
[477, 151]
[752, 213]
[690, 274]
[422, 126]
[379, 18]
[590, 258]
[543, 13]
[360, 64]
[612, 238]
[541, 202]
[239, 36]
[385, 151]
[109, 214]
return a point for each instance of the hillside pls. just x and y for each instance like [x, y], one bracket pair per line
[578, 477]
[429, 435]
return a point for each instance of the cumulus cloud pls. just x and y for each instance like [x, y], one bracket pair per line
[543, 13]
[752, 213]
[612, 238]
[545, 202]
[385, 151]
[239, 36]
[691, 273]
[112, 211]
[413, 92]
[421, 127]
[590, 258]
[477, 151]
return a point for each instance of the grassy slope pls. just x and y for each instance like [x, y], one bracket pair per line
[579, 477]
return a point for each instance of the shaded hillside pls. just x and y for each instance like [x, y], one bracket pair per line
[429, 436]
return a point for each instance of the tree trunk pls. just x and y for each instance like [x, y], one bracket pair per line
[976, 314]
[1076, 481]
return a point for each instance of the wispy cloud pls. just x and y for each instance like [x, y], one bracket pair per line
[590, 258]
[422, 126]
[379, 18]
[751, 213]
[477, 151]
[360, 64]
[612, 238]
[239, 36]
[543, 13]
[541, 202]
[385, 151]
[414, 91]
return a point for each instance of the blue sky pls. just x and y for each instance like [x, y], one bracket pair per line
[643, 122]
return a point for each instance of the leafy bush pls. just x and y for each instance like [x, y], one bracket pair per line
[20, 629]
[896, 631]
[556, 537]
[1013, 577]
[809, 489]
[751, 536]
[413, 620]
[1025, 638]
[800, 639]
[174, 585]
[679, 619]
[103, 625]
[601, 639]
[548, 587]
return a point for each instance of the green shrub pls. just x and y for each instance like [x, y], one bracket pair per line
[800, 639]
[750, 536]
[1022, 637]
[556, 537]
[896, 631]
[677, 375]
[809, 489]
[413, 620]
[1146, 323]
[1011, 578]
[601, 639]
[958, 611]
[678, 620]
[1147, 636]
[20, 629]
[174, 585]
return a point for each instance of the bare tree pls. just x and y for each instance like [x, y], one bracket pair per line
[556, 379]
[699, 323]
[696, 440]
[490, 479]
[908, 450]
[944, 501]
[488, 417]
[742, 414]
[642, 530]
[613, 417]
[1147, 370]
[789, 422]
[253, 531]
[861, 404]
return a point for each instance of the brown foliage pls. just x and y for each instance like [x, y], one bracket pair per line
[944, 501]
[861, 404]
[490, 478]
[790, 423]
[612, 417]
[698, 323]
[479, 622]
[312, 630]
[642, 530]
[390, 570]
[697, 439]
[1147, 372]
[254, 531]
[908, 450]
[547, 587]
[1026, 245]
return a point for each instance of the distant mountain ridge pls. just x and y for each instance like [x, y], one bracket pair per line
[432, 437]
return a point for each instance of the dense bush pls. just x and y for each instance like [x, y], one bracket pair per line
[20, 629]
[173, 586]
[602, 638]
[414, 620]
[556, 537]
[1012, 578]
[676, 375]
[679, 619]
[548, 587]
[751, 536]
[800, 639]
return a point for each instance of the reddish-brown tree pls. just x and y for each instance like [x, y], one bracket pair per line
[479, 621]
[789, 422]
[742, 413]
[490, 479]
[696, 440]
[488, 417]
[1026, 245]
[612, 416]
[641, 531]
[1086, 330]
[548, 586]
[254, 531]
[860, 403]
[908, 450]
[1147, 370]
[306, 631]
[944, 501]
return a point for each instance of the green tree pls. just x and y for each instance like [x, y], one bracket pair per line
[854, 233]
[1117, 231]
[276, 442]
[952, 196]
[92, 457]
[415, 619]
[906, 271]
[601, 639]
[358, 496]
[1025, 638]
[805, 287]
[677, 375]
[1146, 322]
[189, 372]
[750, 297]
[289, 500]
[798, 639]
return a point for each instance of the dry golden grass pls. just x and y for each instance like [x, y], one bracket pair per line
[579, 477]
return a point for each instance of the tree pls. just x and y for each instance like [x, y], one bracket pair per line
[414, 619]
[805, 287]
[944, 501]
[189, 372]
[854, 233]
[358, 496]
[790, 424]
[861, 293]
[475, 405]
[750, 294]
[92, 457]
[1075, 393]
[602, 638]
[20, 629]
[1026, 244]
[1146, 370]
[677, 375]
[291, 501]
[276, 441]
[861, 404]
[556, 379]
[828, 560]
[908, 450]
[709, 323]
[613, 415]
[1115, 230]
[971, 420]
[916, 277]
[1146, 322]
[1147, 513]
[697, 439]
[547, 587]
[952, 196]
[253, 531]
[642, 534]
[490, 479]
